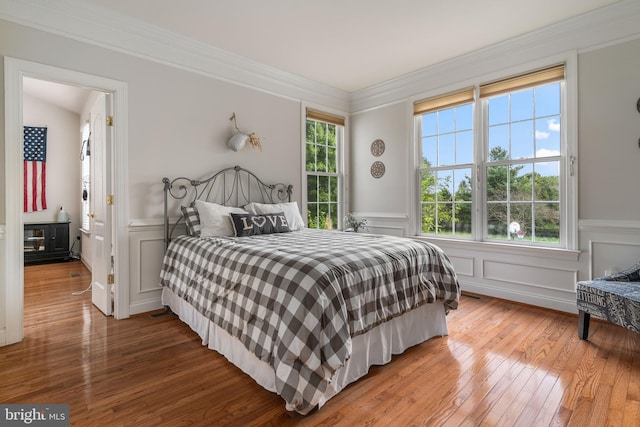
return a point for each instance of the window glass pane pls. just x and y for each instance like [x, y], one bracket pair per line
[333, 214]
[311, 131]
[312, 215]
[547, 222]
[429, 124]
[428, 184]
[497, 183]
[463, 212]
[445, 185]
[548, 100]
[522, 105]
[548, 137]
[522, 140]
[499, 138]
[521, 182]
[321, 158]
[464, 117]
[446, 121]
[445, 218]
[430, 150]
[520, 213]
[327, 217]
[331, 135]
[547, 181]
[497, 220]
[428, 218]
[464, 147]
[499, 110]
[312, 188]
[333, 189]
[311, 157]
[446, 150]
[323, 188]
[332, 160]
[462, 185]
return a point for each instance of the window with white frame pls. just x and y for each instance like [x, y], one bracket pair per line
[323, 171]
[446, 186]
[515, 159]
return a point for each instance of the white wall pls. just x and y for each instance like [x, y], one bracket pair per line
[609, 156]
[385, 201]
[63, 164]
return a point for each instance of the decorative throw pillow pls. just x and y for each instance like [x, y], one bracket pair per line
[251, 225]
[290, 209]
[215, 220]
[191, 220]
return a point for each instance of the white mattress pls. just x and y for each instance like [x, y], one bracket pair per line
[376, 347]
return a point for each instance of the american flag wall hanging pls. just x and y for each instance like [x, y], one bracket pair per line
[35, 168]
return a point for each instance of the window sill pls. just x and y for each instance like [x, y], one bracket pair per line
[503, 248]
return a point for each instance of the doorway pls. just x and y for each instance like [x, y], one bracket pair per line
[15, 71]
[60, 115]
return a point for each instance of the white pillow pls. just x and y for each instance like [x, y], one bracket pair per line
[215, 219]
[290, 210]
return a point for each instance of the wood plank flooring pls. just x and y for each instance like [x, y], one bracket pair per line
[503, 364]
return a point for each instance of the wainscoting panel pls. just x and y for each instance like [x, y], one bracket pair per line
[535, 276]
[611, 246]
[392, 224]
[146, 249]
[463, 265]
[531, 275]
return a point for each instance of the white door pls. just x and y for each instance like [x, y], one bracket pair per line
[102, 210]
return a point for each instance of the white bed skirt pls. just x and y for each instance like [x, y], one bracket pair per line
[375, 347]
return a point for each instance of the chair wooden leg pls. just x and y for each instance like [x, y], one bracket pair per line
[583, 324]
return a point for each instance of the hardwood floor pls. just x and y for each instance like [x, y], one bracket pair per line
[503, 364]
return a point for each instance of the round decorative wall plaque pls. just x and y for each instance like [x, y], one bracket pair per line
[377, 169]
[377, 147]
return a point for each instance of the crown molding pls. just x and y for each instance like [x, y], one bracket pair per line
[101, 27]
[98, 26]
[603, 27]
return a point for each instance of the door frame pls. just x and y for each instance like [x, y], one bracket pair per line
[14, 71]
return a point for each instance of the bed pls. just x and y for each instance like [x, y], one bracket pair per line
[303, 312]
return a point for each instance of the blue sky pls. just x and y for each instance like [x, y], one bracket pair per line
[535, 129]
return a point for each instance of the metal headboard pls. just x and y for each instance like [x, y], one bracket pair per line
[233, 186]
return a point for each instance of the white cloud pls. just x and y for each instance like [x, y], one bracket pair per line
[545, 152]
[554, 125]
[542, 135]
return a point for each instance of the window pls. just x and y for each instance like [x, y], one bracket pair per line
[324, 135]
[447, 161]
[515, 159]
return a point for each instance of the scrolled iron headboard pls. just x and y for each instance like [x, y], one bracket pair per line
[233, 186]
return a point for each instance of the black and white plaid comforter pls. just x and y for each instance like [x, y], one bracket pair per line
[296, 299]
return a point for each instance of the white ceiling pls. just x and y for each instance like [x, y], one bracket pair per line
[349, 44]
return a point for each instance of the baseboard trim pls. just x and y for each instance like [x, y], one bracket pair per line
[545, 301]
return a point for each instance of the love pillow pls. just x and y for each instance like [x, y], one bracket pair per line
[251, 225]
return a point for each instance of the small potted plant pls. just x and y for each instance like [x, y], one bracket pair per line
[353, 223]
